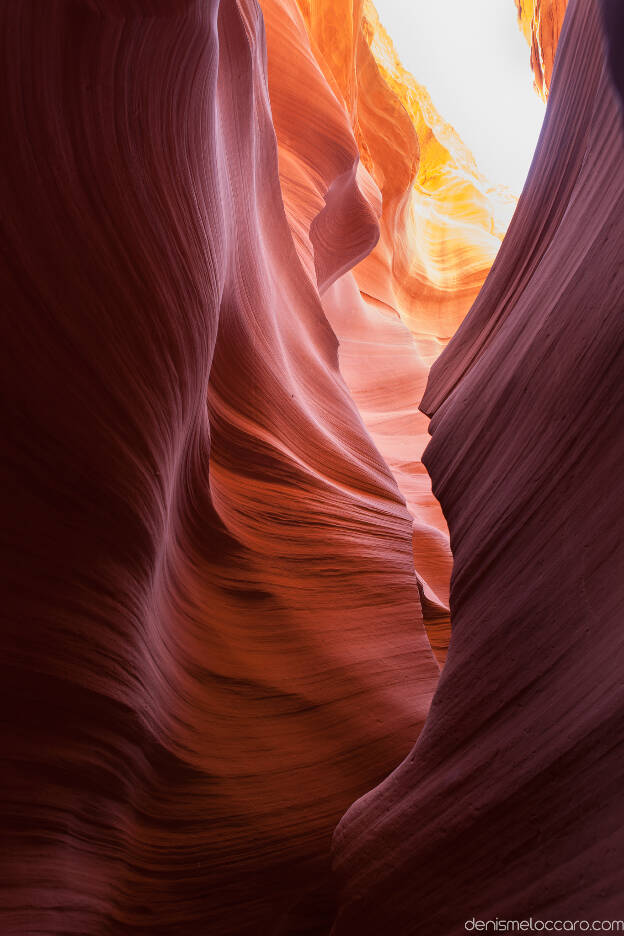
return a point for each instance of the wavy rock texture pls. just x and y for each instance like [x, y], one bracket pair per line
[541, 22]
[213, 640]
[338, 93]
[442, 221]
[509, 805]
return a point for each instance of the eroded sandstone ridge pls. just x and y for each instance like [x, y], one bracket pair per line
[509, 804]
[363, 150]
[224, 569]
[213, 640]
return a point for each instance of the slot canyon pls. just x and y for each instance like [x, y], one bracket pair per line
[292, 392]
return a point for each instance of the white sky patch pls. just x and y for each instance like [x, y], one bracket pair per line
[474, 61]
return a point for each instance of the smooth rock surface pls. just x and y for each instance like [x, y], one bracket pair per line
[510, 804]
[212, 639]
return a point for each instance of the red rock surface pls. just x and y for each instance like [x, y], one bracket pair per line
[213, 640]
[213, 637]
[509, 805]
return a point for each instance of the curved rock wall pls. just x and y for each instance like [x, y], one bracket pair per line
[209, 572]
[360, 141]
[219, 612]
[509, 806]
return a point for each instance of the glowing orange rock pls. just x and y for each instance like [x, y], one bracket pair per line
[541, 22]
[355, 130]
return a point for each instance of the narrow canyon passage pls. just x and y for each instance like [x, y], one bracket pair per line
[241, 249]
[358, 135]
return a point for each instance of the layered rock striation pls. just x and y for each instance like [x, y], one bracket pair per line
[360, 140]
[508, 806]
[212, 639]
[229, 259]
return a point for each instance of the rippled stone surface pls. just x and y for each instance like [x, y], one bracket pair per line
[509, 804]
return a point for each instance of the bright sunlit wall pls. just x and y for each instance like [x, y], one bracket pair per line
[474, 61]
